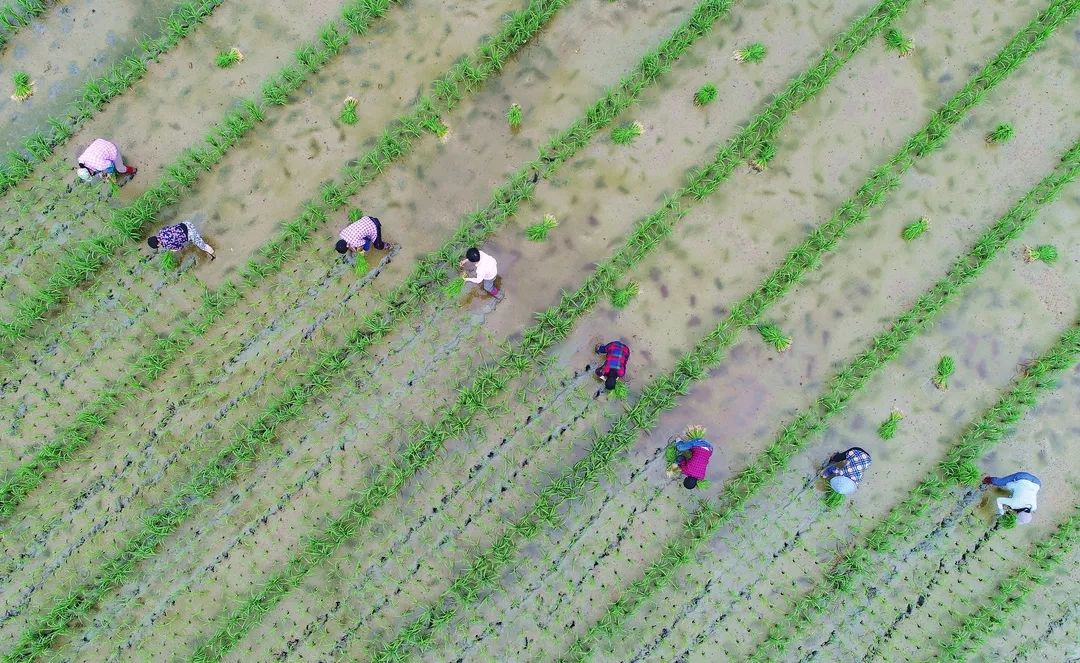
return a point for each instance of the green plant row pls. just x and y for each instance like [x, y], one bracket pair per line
[17, 14]
[555, 323]
[98, 91]
[148, 366]
[663, 393]
[903, 519]
[1046, 556]
[127, 223]
[843, 386]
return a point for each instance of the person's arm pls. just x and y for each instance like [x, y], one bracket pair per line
[684, 445]
[1000, 482]
[472, 279]
[198, 241]
[601, 349]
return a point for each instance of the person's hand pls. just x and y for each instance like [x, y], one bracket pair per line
[987, 481]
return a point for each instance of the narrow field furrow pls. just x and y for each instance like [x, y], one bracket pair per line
[82, 262]
[394, 144]
[39, 145]
[1061, 634]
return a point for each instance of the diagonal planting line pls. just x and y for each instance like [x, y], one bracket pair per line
[98, 91]
[1012, 592]
[81, 262]
[843, 386]
[663, 393]
[395, 143]
[17, 14]
[902, 520]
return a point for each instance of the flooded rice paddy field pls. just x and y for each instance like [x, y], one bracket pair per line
[321, 529]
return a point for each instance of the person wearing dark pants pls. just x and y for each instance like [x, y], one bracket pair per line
[1023, 488]
[616, 354]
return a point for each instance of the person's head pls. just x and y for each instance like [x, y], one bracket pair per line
[689, 483]
[837, 457]
[473, 255]
[1023, 516]
[610, 381]
[153, 242]
[843, 485]
[341, 247]
[84, 174]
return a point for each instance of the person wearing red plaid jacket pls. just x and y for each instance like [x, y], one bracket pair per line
[616, 354]
[845, 470]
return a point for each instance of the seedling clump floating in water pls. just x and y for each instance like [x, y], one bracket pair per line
[896, 40]
[706, 94]
[887, 429]
[1002, 133]
[753, 53]
[229, 57]
[945, 369]
[833, 499]
[627, 133]
[513, 116]
[916, 228]
[622, 296]
[538, 232]
[348, 111]
[1044, 252]
[773, 337]
[24, 87]
[1008, 520]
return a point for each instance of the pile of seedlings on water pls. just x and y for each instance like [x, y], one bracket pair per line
[24, 87]
[898, 42]
[538, 231]
[705, 95]
[627, 133]
[832, 499]
[620, 297]
[348, 111]
[1044, 253]
[915, 228]
[753, 53]
[945, 368]
[229, 58]
[1002, 133]
[513, 116]
[773, 337]
[887, 429]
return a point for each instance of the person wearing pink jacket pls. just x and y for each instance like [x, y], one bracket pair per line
[693, 458]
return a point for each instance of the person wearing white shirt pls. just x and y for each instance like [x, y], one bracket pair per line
[481, 268]
[1023, 488]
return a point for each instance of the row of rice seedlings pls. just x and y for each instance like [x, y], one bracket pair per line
[620, 297]
[395, 143]
[553, 325]
[1012, 592]
[663, 393]
[903, 519]
[428, 277]
[794, 436]
[96, 92]
[17, 14]
[127, 223]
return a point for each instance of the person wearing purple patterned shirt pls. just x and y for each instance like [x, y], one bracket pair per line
[176, 237]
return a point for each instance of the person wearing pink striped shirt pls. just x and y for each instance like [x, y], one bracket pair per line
[102, 158]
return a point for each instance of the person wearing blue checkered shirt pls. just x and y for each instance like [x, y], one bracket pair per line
[845, 469]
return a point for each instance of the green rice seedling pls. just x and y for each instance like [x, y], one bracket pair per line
[706, 94]
[1008, 521]
[513, 116]
[753, 53]
[704, 484]
[229, 58]
[348, 111]
[896, 40]
[24, 87]
[538, 232]
[832, 499]
[361, 265]
[627, 133]
[670, 454]
[764, 155]
[1043, 252]
[168, 261]
[1000, 134]
[773, 337]
[695, 432]
[945, 369]
[355, 214]
[455, 287]
[621, 392]
[621, 297]
[887, 429]
[915, 228]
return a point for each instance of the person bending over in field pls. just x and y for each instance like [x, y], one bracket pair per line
[1023, 488]
[361, 235]
[845, 470]
[102, 158]
[480, 268]
[616, 354]
[173, 238]
[692, 459]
